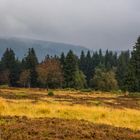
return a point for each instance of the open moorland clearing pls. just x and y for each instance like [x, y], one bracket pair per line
[32, 114]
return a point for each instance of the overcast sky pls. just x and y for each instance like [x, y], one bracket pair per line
[112, 24]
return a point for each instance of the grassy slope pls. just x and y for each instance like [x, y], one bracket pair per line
[98, 108]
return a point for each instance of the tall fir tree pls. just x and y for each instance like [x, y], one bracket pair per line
[70, 69]
[122, 66]
[62, 59]
[88, 67]
[30, 63]
[133, 75]
[101, 57]
[95, 62]
[8, 59]
[108, 60]
[82, 62]
[96, 59]
[12, 65]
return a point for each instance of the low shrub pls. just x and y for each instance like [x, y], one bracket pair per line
[86, 90]
[50, 93]
[4, 86]
[70, 89]
[134, 95]
[116, 92]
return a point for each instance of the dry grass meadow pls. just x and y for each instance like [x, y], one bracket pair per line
[111, 110]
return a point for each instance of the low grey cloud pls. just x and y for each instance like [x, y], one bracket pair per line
[112, 24]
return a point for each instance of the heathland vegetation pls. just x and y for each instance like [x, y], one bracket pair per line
[32, 114]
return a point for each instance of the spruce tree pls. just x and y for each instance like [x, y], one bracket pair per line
[70, 69]
[8, 59]
[108, 59]
[62, 59]
[122, 67]
[96, 59]
[82, 63]
[95, 62]
[30, 63]
[133, 76]
[101, 57]
[89, 68]
[12, 65]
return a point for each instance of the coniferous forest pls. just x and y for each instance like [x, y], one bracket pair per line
[99, 71]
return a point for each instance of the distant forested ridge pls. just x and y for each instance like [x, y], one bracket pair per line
[21, 46]
[99, 71]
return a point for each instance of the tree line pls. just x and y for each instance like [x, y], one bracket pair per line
[100, 71]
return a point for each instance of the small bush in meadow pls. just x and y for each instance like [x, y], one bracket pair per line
[70, 89]
[50, 93]
[86, 90]
[4, 86]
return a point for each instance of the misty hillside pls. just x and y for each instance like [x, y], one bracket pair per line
[42, 48]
